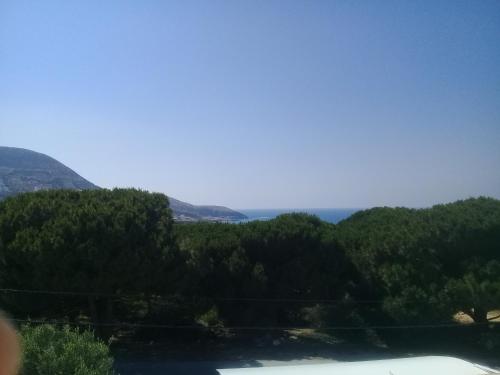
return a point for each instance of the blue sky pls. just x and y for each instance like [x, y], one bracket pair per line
[254, 104]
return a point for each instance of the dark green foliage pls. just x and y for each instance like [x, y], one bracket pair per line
[381, 266]
[467, 234]
[48, 350]
[94, 241]
[428, 264]
[292, 257]
[299, 257]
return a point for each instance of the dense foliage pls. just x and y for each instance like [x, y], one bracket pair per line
[242, 269]
[430, 263]
[48, 350]
[96, 241]
[381, 266]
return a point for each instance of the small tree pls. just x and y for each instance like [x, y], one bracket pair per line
[48, 350]
[476, 293]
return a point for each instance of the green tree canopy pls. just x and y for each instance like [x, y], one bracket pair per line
[294, 256]
[94, 241]
[429, 263]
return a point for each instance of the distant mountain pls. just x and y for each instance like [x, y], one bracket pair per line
[24, 170]
[187, 212]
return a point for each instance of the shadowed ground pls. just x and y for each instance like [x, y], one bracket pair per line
[292, 348]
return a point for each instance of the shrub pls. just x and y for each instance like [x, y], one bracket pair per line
[48, 350]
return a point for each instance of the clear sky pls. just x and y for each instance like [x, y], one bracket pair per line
[255, 104]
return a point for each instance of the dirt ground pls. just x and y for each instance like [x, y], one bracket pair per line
[466, 319]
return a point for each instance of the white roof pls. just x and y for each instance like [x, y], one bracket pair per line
[404, 366]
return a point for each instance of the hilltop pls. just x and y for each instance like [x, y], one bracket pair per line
[23, 170]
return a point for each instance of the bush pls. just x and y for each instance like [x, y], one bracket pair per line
[48, 350]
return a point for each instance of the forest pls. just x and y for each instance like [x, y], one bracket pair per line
[116, 262]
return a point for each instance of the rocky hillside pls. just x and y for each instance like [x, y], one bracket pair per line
[187, 212]
[24, 170]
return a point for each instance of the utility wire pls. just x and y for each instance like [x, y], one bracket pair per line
[223, 299]
[247, 328]
[228, 299]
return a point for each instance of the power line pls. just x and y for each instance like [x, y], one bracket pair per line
[228, 299]
[247, 328]
[222, 299]
[298, 300]
[62, 293]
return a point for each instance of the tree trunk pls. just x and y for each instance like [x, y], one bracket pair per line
[101, 313]
[149, 305]
[479, 315]
[94, 315]
[108, 318]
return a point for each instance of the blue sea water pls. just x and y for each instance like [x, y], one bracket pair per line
[331, 215]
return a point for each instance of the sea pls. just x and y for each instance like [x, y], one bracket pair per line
[331, 215]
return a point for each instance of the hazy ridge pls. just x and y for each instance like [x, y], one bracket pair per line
[23, 170]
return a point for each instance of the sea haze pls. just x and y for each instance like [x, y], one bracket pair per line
[331, 215]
